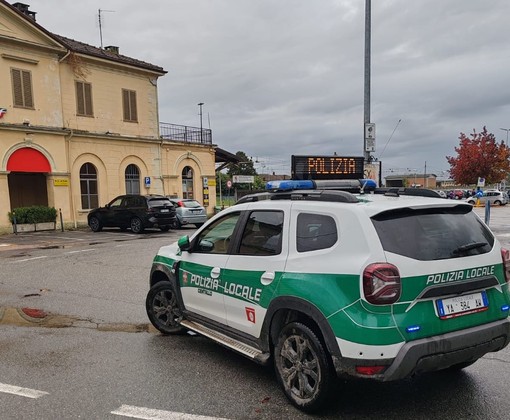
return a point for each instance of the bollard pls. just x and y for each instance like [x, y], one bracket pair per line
[61, 221]
[487, 212]
[14, 224]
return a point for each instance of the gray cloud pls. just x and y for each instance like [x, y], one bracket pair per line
[286, 77]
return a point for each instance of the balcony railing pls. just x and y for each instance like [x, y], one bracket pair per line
[185, 134]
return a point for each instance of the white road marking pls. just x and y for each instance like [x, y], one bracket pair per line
[152, 414]
[5, 244]
[81, 250]
[23, 392]
[31, 259]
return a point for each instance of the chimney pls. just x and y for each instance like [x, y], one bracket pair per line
[112, 49]
[23, 8]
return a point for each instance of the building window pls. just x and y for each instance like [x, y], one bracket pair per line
[88, 186]
[187, 182]
[84, 99]
[132, 175]
[129, 105]
[22, 88]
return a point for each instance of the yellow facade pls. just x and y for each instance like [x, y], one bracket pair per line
[47, 127]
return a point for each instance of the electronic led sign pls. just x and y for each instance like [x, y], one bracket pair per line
[327, 167]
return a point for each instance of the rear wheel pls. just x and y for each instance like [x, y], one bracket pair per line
[95, 224]
[302, 367]
[165, 228]
[163, 308]
[497, 203]
[198, 225]
[136, 225]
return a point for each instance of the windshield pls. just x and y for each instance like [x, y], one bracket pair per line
[159, 202]
[433, 234]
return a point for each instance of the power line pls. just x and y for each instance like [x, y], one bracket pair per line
[386, 145]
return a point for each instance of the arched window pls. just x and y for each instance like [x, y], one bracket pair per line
[88, 186]
[187, 182]
[132, 175]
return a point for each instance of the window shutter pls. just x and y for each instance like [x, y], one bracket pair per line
[27, 89]
[88, 99]
[80, 100]
[132, 106]
[125, 104]
[17, 88]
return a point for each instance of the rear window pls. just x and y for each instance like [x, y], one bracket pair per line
[433, 234]
[191, 204]
[159, 202]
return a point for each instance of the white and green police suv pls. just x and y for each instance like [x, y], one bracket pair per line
[323, 282]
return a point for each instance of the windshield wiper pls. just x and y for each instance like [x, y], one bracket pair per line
[468, 247]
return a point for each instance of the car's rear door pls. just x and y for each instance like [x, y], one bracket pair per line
[255, 267]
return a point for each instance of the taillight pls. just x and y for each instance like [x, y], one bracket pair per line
[381, 283]
[505, 255]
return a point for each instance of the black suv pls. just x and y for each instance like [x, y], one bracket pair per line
[136, 212]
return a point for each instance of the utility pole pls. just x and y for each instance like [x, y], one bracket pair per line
[507, 130]
[368, 20]
[101, 24]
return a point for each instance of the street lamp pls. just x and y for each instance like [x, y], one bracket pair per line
[201, 132]
[507, 130]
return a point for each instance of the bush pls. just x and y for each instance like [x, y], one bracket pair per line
[33, 214]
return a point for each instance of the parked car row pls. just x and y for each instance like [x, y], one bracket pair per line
[140, 212]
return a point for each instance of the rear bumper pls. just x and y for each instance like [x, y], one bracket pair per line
[438, 352]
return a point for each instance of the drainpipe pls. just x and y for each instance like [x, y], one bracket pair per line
[68, 153]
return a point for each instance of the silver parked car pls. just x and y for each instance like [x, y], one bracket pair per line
[496, 197]
[189, 211]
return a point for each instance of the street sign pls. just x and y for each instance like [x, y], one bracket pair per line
[205, 181]
[229, 184]
[147, 181]
[243, 179]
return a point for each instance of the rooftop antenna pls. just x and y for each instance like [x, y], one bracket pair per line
[100, 24]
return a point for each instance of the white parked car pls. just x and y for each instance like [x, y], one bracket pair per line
[495, 197]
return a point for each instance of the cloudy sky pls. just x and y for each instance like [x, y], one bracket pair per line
[284, 77]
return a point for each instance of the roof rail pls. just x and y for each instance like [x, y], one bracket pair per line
[398, 191]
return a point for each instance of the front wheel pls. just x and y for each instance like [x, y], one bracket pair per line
[164, 228]
[497, 203]
[95, 224]
[163, 308]
[136, 225]
[303, 368]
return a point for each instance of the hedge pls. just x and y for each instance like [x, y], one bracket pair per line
[33, 214]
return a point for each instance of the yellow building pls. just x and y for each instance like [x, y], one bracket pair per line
[79, 125]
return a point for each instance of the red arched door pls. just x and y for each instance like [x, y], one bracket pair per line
[27, 178]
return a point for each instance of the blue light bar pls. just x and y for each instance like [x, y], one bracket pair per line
[286, 185]
[413, 328]
[368, 184]
[505, 308]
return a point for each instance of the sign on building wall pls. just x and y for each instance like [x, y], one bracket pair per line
[61, 182]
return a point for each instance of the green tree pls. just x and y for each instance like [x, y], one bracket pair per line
[479, 156]
[244, 167]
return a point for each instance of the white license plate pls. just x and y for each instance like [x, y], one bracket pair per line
[164, 210]
[462, 305]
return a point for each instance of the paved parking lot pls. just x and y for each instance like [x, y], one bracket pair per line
[499, 222]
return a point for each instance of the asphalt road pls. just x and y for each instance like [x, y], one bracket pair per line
[87, 351]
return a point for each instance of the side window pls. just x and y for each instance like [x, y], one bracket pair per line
[216, 238]
[262, 234]
[84, 99]
[117, 202]
[22, 88]
[315, 231]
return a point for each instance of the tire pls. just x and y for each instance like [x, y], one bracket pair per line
[136, 225]
[163, 309]
[178, 223]
[164, 228]
[303, 368]
[95, 224]
[199, 225]
[497, 203]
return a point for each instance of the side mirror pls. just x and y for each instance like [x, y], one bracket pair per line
[183, 243]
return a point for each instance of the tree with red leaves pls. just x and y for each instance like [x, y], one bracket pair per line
[479, 156]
